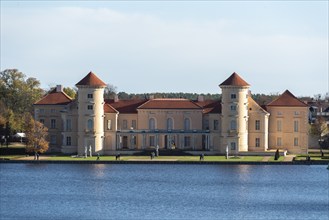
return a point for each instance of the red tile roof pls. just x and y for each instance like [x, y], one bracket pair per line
[109, 109]
[54, 98]
[169, 104]
[234, 80]
[91, 80]
[287, 99]
[210, 106]
[126, 106]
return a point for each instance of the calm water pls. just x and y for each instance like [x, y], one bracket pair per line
[52, 191]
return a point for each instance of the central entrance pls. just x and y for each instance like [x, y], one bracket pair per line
[170, 142]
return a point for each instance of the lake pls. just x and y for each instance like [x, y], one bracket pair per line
[167, 191]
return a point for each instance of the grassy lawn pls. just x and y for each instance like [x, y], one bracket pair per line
[160, 158]
[279, 160]
[14, 145]
[11, 157]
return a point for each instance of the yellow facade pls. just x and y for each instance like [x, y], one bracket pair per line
[236, 122]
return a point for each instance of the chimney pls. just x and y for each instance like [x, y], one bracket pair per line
[59, 88]
[200, 98]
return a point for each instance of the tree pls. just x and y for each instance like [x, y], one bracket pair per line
[110, 91]
[72, 92]
[320, 130]
[36, 135]
[17, 96]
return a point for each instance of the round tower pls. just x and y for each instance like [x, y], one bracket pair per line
[90, 115]
[234, 114]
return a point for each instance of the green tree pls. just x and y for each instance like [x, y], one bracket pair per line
[17, 95]
[36, 135]
[72, 92]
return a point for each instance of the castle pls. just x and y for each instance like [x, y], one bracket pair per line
[236, 122]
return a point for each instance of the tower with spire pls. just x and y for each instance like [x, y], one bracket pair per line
[90, 114]
[234, 114]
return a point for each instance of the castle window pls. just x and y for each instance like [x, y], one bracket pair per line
[53, 139]
[215, 124]
[187, 124]
[42, 121]
[124, 124]
[52, 110]
[152, 140]
[233, 146]
[233, 108]
[295, 142]
[68, 125]
[257, 142]
[169, 124]
[90, 124]
[109, 124]
[90, 107]
[296, 126]
[279, 141]
[90, 96]
[233, 96]
[257, 125]
[151, 123]
[133, 124]
[68, 141]
[187, 141]
[279, 125]
[53, 123]
[233, 125]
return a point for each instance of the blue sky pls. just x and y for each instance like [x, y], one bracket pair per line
[175, 46]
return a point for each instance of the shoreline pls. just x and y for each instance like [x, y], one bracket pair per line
[294, 162]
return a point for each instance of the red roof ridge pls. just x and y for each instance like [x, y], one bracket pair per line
[175, 103]
[54, 98]
[234, 80]
[91, 80]
[287, 99]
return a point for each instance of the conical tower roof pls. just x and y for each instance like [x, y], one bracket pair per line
[91, 80]
[287, 99]
[234, 80]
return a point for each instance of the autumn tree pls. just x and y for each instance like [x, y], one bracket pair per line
[36, 135]
[17, 95]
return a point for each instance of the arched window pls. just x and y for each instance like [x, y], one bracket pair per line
[233, 125]
[90, 124]
[151, 123]
[170, 124]
[187, 124]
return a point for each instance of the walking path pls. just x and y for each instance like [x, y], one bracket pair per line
[289, 157]
[266, 158]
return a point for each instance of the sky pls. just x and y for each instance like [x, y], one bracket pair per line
[170, 46]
